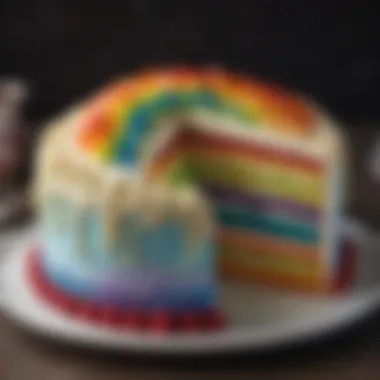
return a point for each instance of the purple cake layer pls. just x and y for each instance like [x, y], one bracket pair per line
[263, 203]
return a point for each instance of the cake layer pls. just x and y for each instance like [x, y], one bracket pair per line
[270, 154]
[201, 163]
[275, 279]
[205, 142]
[268, 177]
[271, 246]
[197, 141]
[238, 217]
[254, 178]
[263, 204]
[269, 263]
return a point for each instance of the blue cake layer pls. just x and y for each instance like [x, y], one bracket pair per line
[231, 215]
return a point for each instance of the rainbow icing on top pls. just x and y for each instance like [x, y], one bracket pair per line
[121, 118]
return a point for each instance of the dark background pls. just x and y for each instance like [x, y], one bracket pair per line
[329, 49]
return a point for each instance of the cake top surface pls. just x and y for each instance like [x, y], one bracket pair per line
[119, 121]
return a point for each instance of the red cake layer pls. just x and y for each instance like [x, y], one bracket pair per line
[194, 141]
[159, 321]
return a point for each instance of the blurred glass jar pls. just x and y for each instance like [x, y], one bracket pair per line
[13, 94]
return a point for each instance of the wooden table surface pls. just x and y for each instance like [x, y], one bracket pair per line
[352, 355]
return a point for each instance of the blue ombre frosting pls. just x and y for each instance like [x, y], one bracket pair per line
[145, 267]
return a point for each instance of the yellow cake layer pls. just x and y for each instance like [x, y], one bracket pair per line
[244, 274]
[270, 245]
[260, 178]
[276, 262]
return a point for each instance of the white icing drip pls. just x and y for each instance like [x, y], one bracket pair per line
[80, 224]
[112, 192]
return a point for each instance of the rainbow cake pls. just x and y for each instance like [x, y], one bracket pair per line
[163, 182]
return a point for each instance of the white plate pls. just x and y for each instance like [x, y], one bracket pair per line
[258, 319]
